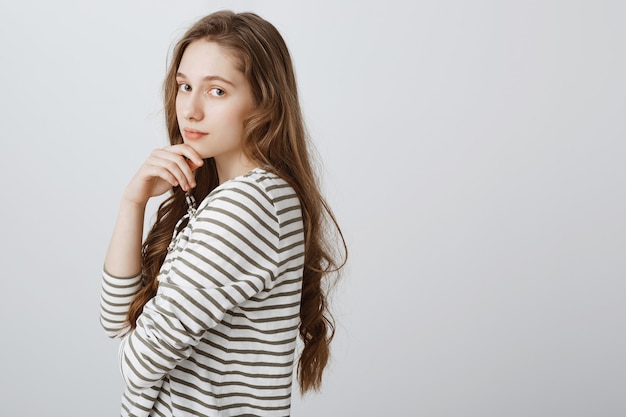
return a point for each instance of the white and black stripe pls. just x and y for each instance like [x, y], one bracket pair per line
[219, 337]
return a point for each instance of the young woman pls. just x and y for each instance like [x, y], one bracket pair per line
[210, 305]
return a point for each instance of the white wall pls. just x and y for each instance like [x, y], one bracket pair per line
[474, 155]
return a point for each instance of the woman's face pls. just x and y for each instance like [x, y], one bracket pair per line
[213, 100]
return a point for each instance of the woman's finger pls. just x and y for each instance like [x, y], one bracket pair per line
[189, 153]
[177, 164]
[155, 171]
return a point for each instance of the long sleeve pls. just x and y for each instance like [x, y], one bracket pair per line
[228, 254]
[115, 297]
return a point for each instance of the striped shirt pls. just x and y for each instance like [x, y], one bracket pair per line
[219, 337]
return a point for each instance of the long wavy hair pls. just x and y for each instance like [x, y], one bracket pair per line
[275, 138]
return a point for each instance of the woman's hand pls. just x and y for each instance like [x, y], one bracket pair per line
[165, 168]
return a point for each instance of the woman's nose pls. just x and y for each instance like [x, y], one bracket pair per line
[193, 107]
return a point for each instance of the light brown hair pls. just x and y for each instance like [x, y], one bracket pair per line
[276, 140]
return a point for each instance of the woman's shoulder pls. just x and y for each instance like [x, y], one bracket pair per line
[258, 186]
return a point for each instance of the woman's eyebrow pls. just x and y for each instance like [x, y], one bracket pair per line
[208, 78]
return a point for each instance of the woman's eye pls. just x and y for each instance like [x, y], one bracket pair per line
[184, 87]
[217, 92]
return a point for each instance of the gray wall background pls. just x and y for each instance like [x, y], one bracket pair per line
[473, 152]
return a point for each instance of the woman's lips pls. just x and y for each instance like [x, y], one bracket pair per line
[193, 134]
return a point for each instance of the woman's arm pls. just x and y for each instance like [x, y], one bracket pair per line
[121, 279]
[123, 258]
[164, 169]
[232, 254]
